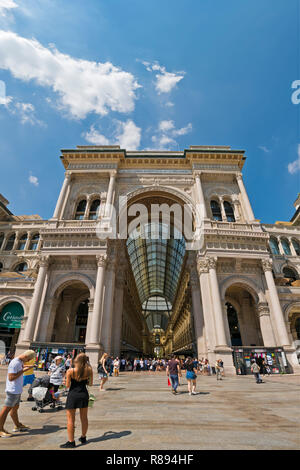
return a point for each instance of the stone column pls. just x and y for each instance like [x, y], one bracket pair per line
[236, 206]
[266, 325]
[203, 273]
[246, 203]
[275, 304]
[106, 326]
[110, 193]
[95, 320]
[63, 192]
[217, 304]
[118, 312]
[198, 314]
[221, 202]
[203, 211]
[36, 299]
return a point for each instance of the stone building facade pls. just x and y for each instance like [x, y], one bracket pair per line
[230, 290]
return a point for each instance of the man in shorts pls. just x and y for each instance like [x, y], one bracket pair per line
[13, 390]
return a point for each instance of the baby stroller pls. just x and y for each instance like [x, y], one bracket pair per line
[42, 396]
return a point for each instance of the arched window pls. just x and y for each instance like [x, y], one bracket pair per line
[216, 210]
[297, 327]
[290, 273]
[234, 328]
[1, 239]
[94, 210]
[286, 247]
[10, 242]
[1, 267]
[22, 242]
[229, 212]
[274, 246]
[80, 210]
[295, 243]
[21, 268]
[34, 242]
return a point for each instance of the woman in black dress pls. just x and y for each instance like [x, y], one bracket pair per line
[77, 380]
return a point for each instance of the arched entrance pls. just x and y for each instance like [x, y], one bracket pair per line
[242, 318]
[11, 316]
[156, 250]
[71, 313]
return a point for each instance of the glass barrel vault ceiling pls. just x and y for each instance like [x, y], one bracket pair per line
[156, 262]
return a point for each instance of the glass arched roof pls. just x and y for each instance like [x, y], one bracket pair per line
[156, 259]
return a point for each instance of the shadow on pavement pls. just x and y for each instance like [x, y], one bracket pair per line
[47, 429]
[109, 435]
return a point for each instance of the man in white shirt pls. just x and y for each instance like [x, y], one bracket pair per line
[13, 390]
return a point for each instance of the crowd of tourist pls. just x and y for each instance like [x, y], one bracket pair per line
[75, 374]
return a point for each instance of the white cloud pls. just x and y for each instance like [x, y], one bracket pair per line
[264, 148]
[23, 111]
[165, 81]
[33, 180]
[126, 134]
[166, 133]
[166, 125]
[6, 5]
[294, 166]
[83, 86]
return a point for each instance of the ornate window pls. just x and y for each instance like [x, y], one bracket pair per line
[94, 209]
[229, 212]
[216, 210]
[34, 242]
[290, 273]
[274, 246]
[80, 210]
[21, 268]
[286, 247]
[1, 239]
[22, 242]
[295, 243]
[10, 242]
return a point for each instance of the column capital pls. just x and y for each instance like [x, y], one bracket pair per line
[44, 260]
[267, 265]
[239, 176]
[68, 174]
[101, 260]
[202, 265]
[113, 173]
[263, 309]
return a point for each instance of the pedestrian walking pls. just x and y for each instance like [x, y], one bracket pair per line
[173, 372]
[13, 390]
[255, 369]
[77, 379]
[191, 376]
[102, 371]
[116, 367]
[219, 369]
[57, 373]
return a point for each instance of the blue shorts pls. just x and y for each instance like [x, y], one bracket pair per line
[190, 375]
[28, 379]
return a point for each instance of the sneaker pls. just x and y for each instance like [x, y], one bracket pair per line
[5, 434]
[82, 440]
[194, 393]
[68, 445]
[21, 428]
[190, 394]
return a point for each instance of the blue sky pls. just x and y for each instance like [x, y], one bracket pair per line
[158, 74]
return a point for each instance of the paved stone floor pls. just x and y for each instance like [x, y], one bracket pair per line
[138, 412]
